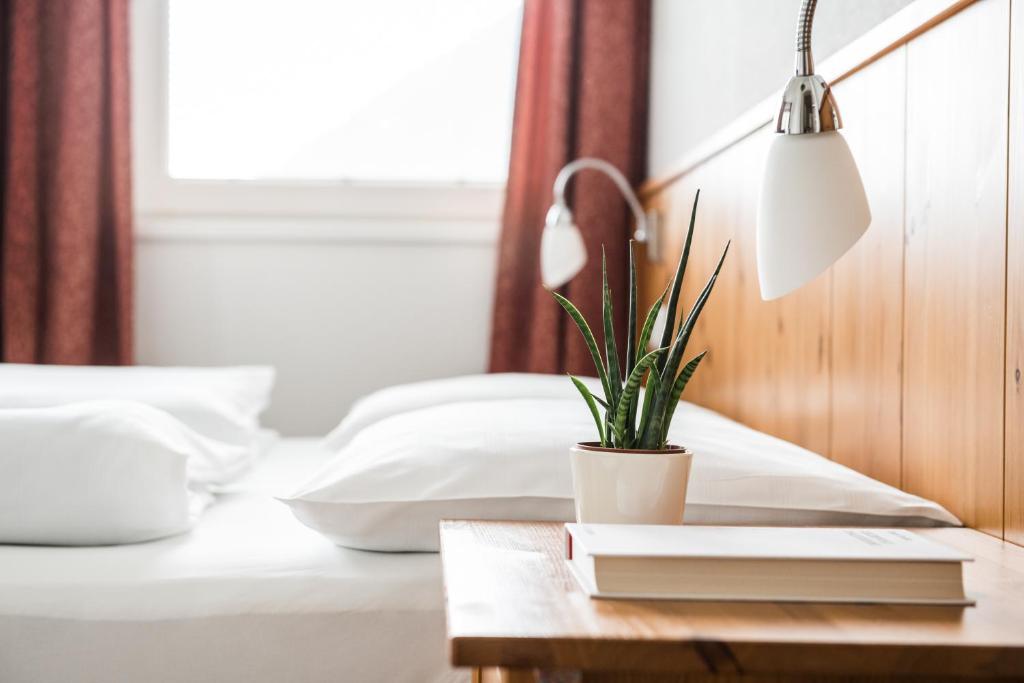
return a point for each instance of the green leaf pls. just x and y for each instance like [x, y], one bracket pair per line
[686, 329]
[589, 398]
[632, 388]
[631, 420]
[677, 282]
[677, 390]
[652, 315]
[610, 351]
[659, 424]
[653, 387]
[588, 337]
[631, 354]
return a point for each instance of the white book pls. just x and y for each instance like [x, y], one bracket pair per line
[792, 564]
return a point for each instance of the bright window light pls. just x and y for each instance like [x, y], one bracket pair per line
[374, 91]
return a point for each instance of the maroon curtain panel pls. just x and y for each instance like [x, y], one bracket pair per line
[65, 199]
[582, 91]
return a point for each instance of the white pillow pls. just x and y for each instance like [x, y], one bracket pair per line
[219, 403]
[389, 488]
[95, 473]
[494, 387]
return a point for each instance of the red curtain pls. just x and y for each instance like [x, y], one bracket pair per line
[582, 91]
[65, 198]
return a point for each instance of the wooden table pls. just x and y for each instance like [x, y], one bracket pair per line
[515, 613]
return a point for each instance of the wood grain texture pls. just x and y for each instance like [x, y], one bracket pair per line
[512, 602]
[768, 361]
[499, 675]
[1014, 373]
[867, 283]
[902, 360]
[890, 35]
[954, 293]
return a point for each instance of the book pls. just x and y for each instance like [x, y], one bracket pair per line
[792, 564]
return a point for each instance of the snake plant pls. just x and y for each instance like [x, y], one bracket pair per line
[627, 422]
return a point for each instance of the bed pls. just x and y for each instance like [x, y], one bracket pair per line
[249, 594]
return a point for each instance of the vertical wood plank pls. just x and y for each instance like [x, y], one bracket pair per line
[1014, 480]
[768, 364]
[652, 276]
[954, 299]
[867, 283]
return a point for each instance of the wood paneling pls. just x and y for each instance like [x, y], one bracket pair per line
[512, 601]
[902, 361]
[1014, 481]
[954, 282]
[535, 676]
[891, 34]
[768, 364]
[867, 283]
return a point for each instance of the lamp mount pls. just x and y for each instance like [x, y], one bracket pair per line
[807, 102]
[646, 221]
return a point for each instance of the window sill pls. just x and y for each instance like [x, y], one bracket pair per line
[157, 228]
[164, 196]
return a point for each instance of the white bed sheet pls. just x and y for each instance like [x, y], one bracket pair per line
[250, 594]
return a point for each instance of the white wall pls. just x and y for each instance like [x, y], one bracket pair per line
[344, 288]
[336, 310]
[711, 60]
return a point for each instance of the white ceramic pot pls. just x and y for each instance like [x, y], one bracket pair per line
[629, 487]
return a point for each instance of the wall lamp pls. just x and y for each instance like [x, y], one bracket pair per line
[562, 251]
[813, 207]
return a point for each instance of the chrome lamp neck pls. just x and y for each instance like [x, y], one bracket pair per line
[807, 102]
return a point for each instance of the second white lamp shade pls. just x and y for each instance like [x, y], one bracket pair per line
[562, 251]
[812, 210]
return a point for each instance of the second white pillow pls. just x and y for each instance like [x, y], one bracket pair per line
[220, 403]
[509, 459]
[96, 473]
[403, 398]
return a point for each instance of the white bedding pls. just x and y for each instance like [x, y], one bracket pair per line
[250, 595]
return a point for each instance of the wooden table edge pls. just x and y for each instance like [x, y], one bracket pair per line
[710, 656]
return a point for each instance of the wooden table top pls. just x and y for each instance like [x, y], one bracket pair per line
[512, 602]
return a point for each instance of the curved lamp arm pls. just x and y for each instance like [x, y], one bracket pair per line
[804, 24]
[562, 250]
[562, 180]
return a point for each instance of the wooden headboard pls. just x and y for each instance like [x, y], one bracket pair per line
[904, 360]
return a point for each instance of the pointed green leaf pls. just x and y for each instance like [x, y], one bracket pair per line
[677, 282]
[610, 351]
[631, 351]
[634, 402]
[675, 356]
[677, 390]
[588, 337]
[659, 421]
[632, 388]
[631, 315]
[653, 387]
[652, 316]
[589, 398]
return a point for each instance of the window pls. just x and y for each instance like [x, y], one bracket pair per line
[383, 107]
[389, 90]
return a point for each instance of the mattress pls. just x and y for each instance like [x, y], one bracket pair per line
[249, 594]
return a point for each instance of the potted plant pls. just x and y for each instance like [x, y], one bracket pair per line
[631, 474]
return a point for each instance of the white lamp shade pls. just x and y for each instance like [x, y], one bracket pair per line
[562, 253]
[812, 210]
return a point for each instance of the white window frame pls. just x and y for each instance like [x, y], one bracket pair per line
[161, 199]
